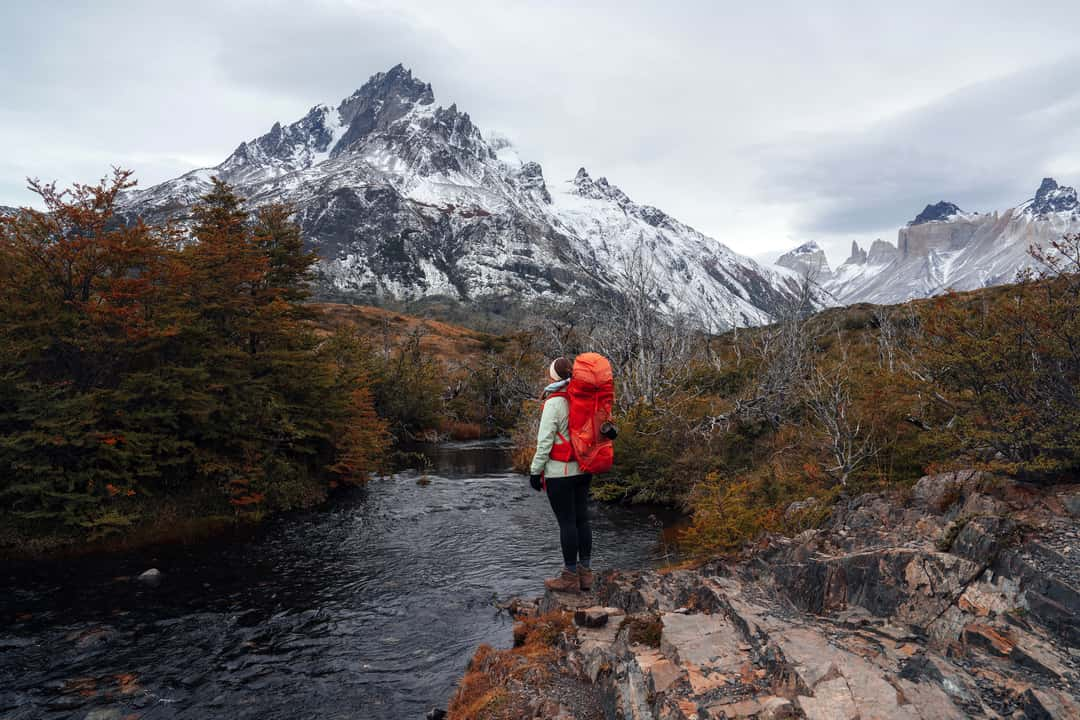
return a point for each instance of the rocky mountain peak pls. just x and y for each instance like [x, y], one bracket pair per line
[936, 212]
[396, 84]
[381, 101]
[807, 259]
[1051, 198]
[881, 252]
[858, 255]
[599, 189]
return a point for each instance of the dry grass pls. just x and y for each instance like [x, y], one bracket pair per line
[487, 692]
[439, 339]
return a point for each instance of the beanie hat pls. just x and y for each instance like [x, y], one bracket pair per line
[560, 369]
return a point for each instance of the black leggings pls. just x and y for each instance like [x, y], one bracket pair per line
[569, 498]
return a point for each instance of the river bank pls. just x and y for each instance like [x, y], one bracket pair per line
[958, 599]
[196, 517]
[368, 607]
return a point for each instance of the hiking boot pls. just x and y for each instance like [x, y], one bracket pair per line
[584, 578]
[566, 582]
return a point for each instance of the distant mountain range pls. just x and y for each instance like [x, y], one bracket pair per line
[944, 248]
[407, 200]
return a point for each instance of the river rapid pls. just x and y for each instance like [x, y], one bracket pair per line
[368, 608]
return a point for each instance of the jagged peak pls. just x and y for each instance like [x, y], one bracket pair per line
[881, 251]
[1051, 198]
[397, 82]
[600, 188]
[858, 255]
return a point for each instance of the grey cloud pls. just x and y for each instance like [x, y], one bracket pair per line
[663, 98]
[984, 147]
[323, 56]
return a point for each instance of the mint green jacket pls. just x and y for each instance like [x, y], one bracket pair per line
[555, 419]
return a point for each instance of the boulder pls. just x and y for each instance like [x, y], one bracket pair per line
[593, 617]
[151, 577]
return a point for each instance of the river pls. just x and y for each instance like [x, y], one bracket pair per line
[368, 608]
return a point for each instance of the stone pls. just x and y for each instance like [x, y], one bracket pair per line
[436, 714]
[151, 578]
[708, 641]
[663, 674]
[1049, 705]
[831, 701]
[941, 491]
[520, 630]
[591, 617]
[92, 637]
[777, 708]
[103, 714]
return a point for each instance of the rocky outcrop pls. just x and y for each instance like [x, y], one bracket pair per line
[959, 599]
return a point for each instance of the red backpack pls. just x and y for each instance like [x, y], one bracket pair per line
[590, 395]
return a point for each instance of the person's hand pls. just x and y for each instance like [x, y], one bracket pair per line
[535, 481]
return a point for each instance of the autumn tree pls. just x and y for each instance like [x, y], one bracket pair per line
[1006, 366]
[141, 362]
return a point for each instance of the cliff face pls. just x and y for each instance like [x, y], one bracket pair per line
[922, 238]
[945, 248]
[960, 600]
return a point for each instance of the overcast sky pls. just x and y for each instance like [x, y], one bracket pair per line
[762, 124]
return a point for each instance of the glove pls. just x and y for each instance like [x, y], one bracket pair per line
[537, 482]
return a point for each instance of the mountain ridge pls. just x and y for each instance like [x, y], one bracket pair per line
[946, 248]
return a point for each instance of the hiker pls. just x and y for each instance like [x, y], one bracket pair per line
[579, 398]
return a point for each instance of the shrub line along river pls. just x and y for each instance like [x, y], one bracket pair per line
[368, 608]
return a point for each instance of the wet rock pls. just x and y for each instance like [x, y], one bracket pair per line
[591, 617]
[151, 577]
[92, 638]
[520, 632]
[103, 714]
[436, 714]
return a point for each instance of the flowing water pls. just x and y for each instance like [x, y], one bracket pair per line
[369, 608]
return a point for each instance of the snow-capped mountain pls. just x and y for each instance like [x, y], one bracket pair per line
[946, 248]
[405, 199]
[808, 260]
